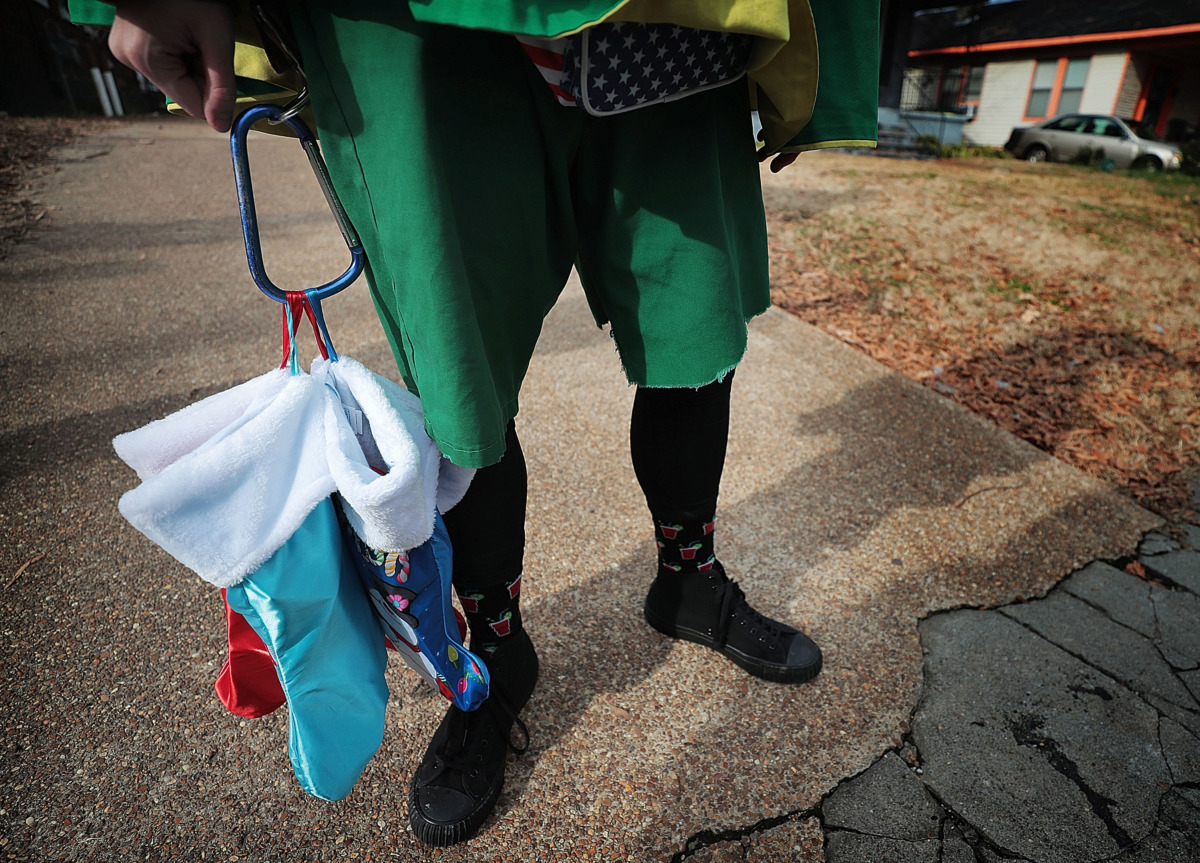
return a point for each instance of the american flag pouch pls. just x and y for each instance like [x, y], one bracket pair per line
[547, 55]
[614, 68]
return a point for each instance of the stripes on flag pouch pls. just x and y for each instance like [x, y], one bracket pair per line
[547, 56]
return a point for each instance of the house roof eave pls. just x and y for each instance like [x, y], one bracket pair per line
[1057, 41]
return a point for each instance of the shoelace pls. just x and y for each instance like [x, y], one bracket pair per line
[733, 604]
[503, 704]
[460, 752]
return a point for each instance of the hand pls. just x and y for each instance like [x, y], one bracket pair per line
[186, 48]
[780, 162]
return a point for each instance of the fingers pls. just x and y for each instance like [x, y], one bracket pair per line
[183, 46]
[782, 161]
[166, 69]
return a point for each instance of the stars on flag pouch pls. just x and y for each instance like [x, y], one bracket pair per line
[615, 68]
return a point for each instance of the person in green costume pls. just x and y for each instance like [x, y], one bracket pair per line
[475, 190]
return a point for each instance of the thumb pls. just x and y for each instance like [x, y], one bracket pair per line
[220, 96]
[219, 88]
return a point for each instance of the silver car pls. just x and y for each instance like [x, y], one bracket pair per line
[1061, 139]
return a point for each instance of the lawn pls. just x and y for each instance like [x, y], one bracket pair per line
[1059, 301]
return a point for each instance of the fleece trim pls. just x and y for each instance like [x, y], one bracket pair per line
[389, 473]
[226, 481]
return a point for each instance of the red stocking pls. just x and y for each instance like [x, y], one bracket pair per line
[248, 684]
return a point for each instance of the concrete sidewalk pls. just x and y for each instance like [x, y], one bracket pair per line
[855, 503]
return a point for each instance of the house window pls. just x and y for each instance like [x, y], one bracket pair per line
[1043, 88]
[974, 85]
[1074, 77]
[1057, 87]
[951, 85]
[961, 85]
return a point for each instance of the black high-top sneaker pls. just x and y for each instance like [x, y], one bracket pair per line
[710, 609]
[459, 780]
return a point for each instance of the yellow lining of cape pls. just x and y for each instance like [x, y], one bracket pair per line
[829, 145]
[783, 70]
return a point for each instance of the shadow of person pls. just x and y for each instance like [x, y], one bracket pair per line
[612, 683]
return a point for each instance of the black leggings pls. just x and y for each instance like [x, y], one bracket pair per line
[487, 528]
[677, 439]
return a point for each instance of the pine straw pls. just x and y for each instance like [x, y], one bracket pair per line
[1061, 303]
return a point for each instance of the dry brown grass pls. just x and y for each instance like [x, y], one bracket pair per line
[1060, 302]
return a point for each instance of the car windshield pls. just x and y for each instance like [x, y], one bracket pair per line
[1142, 130]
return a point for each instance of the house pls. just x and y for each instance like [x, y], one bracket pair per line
[985, 68]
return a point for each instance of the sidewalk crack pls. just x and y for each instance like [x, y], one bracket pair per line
[1145, 696]
[1027, 730]
[707, 838]
[1162, 751]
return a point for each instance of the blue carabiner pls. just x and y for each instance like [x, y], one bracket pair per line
[245, 193]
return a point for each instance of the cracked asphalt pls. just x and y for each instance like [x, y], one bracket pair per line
[992, 688]
[1060, 729]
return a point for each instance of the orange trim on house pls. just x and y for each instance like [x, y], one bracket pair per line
[1059, 75]
[961, 98]
[1168, 102]
[1139, 110]
[1139, 107]
[1025, 116]
[1060, 72]
[1055, 41]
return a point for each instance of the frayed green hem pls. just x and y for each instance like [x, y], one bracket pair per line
[720, 376]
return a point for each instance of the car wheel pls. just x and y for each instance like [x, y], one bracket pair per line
[1037, 153]
[1147, 163]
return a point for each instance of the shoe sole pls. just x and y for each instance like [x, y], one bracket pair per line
[442, 835]
[771, 671]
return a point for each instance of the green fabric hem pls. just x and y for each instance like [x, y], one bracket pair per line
[480, 457]
[720, 376]
[869, 143]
